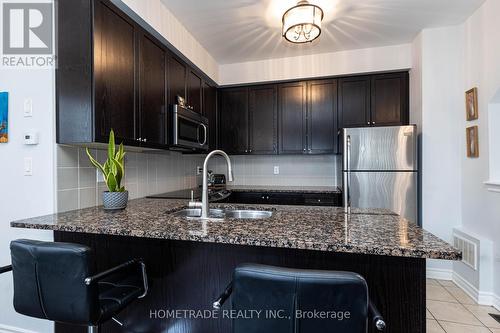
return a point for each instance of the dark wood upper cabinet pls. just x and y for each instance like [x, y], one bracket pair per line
[389, 99]
[263, 126]
[194, 91]
[177, 72]
[152, 96]
[322, 116]
[115, 72]
[114, 64]
[233, 120]
[210, 111]
[292, 115]
[354, 101]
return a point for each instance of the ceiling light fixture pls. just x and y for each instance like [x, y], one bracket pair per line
[302, 23]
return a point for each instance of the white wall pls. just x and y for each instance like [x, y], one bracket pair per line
[327, 64]
[441, 83]
[163, 21]
[481, 207]
[23, 197]
[448, 61]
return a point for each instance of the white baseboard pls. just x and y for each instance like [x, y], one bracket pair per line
[496, 302]
[439, 274]
[481, 297]
[11, 329]
[468, 288]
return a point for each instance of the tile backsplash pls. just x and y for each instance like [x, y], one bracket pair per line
[80, 186]
[312, 170]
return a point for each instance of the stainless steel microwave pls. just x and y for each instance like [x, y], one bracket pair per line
[189, 129]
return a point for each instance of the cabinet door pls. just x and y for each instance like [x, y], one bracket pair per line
[354, 102]
[233, 120]
[176, 79]
[389, 100]
[152, 91]
[263, 110]
[194, 91]
[292, 106]
[322, 112]
[210, 111]
[114, 68]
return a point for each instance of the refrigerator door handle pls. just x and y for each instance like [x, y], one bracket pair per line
[347, 177]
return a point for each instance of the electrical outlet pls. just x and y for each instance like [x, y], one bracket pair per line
[276, 169]
[28, 166]
[199, 170]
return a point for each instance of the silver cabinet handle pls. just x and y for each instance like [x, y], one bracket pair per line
[368, 123]
[373, 123]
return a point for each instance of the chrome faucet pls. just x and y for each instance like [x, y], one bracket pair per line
[204, 194]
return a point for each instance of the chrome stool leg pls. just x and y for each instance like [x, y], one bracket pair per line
[93, 329]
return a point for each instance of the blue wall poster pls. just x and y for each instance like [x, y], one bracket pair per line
[4, 117]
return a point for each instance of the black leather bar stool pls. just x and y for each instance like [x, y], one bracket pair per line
[54, 281]
[299, 301]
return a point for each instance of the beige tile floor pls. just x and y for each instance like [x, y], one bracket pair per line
[451, 310]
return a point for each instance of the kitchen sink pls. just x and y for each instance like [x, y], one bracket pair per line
[195, 213]
[248, 214]
[221, 214]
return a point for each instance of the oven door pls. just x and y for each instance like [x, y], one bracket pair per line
[190, 130]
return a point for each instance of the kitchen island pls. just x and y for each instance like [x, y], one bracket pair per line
[190, 262]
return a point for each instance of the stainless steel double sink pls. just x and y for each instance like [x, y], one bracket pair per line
[222, 214]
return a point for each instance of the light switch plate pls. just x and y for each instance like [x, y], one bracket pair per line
[28, 107]
[28, 166]
[276, 169]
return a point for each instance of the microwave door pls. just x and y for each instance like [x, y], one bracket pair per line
[190, 133]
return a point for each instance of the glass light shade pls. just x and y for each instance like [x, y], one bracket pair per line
[302, 23]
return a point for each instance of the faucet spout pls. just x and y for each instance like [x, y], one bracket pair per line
[204, 196]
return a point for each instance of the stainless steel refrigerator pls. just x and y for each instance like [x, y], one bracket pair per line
[380, 169]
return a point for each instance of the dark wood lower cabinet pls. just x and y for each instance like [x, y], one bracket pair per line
[286, 198]
[190, 275]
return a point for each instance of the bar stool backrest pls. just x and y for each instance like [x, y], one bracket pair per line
[293, 300]
[49, 281]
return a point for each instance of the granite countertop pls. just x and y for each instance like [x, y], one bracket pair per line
[284, 189]
[366, 231]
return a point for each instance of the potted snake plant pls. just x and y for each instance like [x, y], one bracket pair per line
[113, 171]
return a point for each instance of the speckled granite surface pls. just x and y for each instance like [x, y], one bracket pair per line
[284, 189]
[314, 228]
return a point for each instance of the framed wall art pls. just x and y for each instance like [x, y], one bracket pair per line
[4, 117]
[472, 141]
[471, 105]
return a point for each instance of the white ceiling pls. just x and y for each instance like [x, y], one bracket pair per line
[245, 30]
